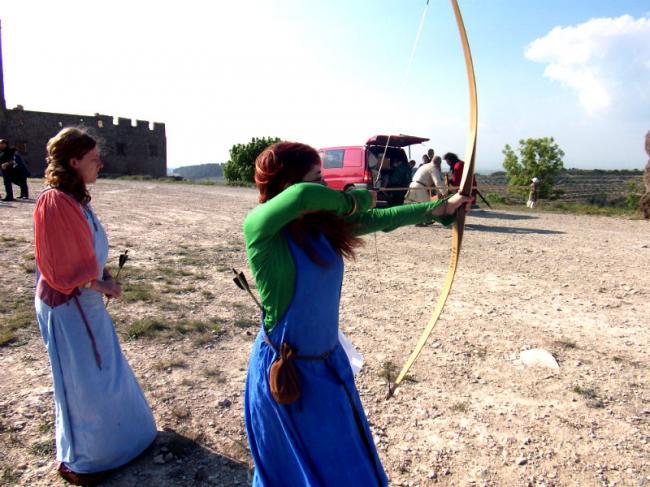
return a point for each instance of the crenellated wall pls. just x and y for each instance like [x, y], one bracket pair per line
[128, 147]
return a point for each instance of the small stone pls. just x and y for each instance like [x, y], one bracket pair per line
[226, 403]
[159, 460]
[522, 461]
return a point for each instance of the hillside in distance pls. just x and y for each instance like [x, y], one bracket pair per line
[200, 171]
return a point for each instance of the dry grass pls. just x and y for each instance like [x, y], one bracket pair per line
[459, 407]
[215, 374]
[591, 396]
[526, 279]
[169, 364]
[42, 448]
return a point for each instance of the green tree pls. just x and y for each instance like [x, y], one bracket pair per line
[241, 166]
[537, 157]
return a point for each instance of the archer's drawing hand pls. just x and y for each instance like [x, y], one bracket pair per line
[458, 200]
[373, 195]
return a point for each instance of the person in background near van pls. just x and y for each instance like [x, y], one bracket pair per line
[534, 190]
[456, 166]
[296, 239]
[102, 418]
[400, 177]
[412, 164]
[431, 153]
[14, 171]
[426, 183]
[441, 188]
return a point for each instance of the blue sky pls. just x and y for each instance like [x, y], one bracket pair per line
[336, 72]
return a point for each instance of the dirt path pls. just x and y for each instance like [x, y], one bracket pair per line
[471, 415]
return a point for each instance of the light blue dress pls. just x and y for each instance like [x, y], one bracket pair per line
[102, 417]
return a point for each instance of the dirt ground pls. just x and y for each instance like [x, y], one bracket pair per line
[471, 414]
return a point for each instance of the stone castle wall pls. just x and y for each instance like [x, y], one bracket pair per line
[125, 149]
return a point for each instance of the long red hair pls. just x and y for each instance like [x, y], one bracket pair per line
[285, 163]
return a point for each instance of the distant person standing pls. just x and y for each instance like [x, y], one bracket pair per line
[456, 166]
[412, 164]
[14, 171]
[532, 196]
[431, 154]
[422, 182]
[436, 174]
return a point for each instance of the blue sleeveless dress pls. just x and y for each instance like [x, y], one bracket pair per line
[102, 418]
[323, 439]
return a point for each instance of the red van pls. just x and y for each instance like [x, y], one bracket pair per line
[349, 167]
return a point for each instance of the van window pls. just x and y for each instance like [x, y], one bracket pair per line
[333, 158]
[353, 157]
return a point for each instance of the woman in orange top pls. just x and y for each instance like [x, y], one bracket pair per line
[102, 417]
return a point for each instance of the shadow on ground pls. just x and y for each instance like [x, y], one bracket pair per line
[511, 230]
[501, 216]
[191, 465]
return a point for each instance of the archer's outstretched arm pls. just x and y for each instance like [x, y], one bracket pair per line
[387, 219]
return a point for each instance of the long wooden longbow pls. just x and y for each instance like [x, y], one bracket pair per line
[465, 189]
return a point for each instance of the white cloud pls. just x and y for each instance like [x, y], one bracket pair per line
[606, 61]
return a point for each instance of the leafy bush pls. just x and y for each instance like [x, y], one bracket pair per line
[241, 166]
[633, 196]
[540, 158]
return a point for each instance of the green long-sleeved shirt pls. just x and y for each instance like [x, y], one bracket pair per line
[268, 250]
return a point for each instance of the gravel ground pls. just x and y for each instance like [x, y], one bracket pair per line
[471, 413]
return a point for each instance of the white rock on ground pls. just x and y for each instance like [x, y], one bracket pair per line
[538, 357]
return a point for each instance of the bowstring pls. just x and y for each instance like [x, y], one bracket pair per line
[405, 77]
[400, 95]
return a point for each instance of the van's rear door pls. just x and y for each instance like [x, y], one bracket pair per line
[395, 140]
